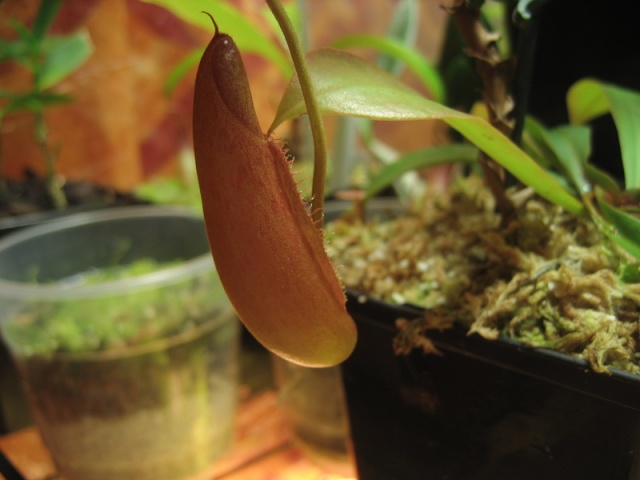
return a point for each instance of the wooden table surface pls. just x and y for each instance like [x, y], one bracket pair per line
[263, 449]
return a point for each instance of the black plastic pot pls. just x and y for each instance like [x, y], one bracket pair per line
[484, 409]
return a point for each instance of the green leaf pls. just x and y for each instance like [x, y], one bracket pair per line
[534, 142]
[571, 147]
[623, 228]
[32, 101]
[170, 191]
[347, 85]
[231, 21]
[588, 99]
[404, 29]
[424, 70]
[626, 224]
[22, 48]
[63, 56]
[178, 73]
[424, 158]
[629, 272]
[602, 179]
[46, 14]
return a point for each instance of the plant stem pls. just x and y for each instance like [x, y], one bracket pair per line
[495, 73]
[53, 187]
[4, 187]
[313, 110]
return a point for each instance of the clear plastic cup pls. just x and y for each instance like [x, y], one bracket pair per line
[128, 377]
[313, 401]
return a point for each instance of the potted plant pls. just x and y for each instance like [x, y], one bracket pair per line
[499, 402]
[124, 340]
[48, 59]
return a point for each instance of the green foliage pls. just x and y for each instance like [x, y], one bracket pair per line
[425, 158]
[178, 73]
[623, 228]
[170, 191]
[32, 101]
[403, 29]
[248, 36]
[111, 322]
[554, 162]
[415, 61]
[49, 59]
[566, 150]
[396, 51]
[347, 85]
[590, 98]
[46, 14]
[62, 56]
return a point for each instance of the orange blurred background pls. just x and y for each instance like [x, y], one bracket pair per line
[121, 129]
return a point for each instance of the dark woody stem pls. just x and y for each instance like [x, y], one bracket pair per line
[495, 74]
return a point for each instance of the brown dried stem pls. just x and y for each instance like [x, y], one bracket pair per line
[496, 74]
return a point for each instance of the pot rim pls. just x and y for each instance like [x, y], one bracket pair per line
[224, 316]
[163, 277]
[616, 386]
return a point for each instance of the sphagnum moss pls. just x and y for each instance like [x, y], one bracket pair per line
[546, 278]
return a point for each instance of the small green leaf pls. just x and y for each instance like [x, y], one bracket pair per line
[231, 21]
[21, 49]
[619, 226]
[178, 73]
[571, 148]
[602, 179]
[630, 272]
[424, 158]
[15, 50]
[534, 142]
[63, 56]
[32, 101]
[627, 225]
[588, 99]
[347, 85]
[46, 14]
